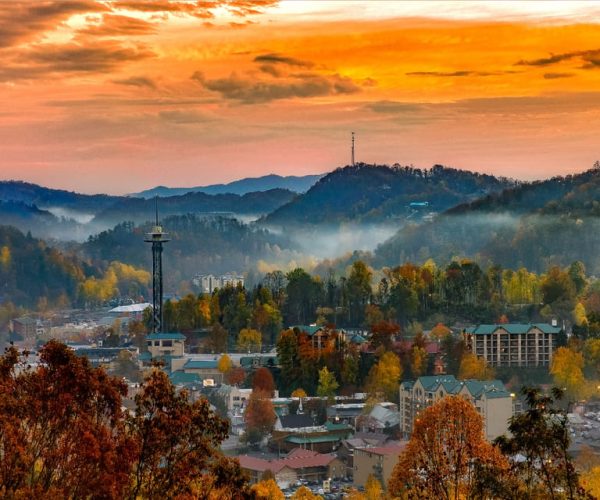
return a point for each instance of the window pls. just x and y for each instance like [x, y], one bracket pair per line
[167, 343]
[149, 343]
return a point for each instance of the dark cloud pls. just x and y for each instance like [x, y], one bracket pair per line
[279, 59]
[137, 81]
[114, 25]
[552, 76]
[85, 58]
[589, 57]
[269, 69]
[22, 21]
[250, 91]
[393, 107]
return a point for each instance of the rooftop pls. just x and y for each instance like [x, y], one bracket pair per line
[165, 336]
[512, 328]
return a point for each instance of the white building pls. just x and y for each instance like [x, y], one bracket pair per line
[208, 283]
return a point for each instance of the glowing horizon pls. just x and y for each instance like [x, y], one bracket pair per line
[123, 95]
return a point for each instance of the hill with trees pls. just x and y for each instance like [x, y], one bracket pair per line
[297, 184]
[142, 210]
[380, 193]
[215, 244]
[535, 225]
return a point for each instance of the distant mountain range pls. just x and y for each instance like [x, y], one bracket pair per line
[378, 193]
[533, 225]
[297, 184]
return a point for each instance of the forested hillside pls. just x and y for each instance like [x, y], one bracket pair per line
[533, 225]
[142, 210]
[198, 244]
[379, 193]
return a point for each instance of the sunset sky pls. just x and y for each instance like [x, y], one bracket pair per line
[118, 96]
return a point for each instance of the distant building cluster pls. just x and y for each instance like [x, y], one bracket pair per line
[208, 283]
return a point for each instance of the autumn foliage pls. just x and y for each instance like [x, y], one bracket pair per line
[63, 434]
[445, 451]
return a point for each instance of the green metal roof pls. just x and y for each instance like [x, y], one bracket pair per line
[432, 381]
[309, 330]
[181, 378]
[313, 439]
[332, 426]
[200, 364]
[512, 328]
[165, 336]
[145, 356]
[358, 339]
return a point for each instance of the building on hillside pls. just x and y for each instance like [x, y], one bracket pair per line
[208, 283]
[378, 461]
[298, 464]
[102, 356]
[521, 345]
[490, 398]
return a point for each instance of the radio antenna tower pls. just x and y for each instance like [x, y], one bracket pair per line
[352, 148]
[157, 237]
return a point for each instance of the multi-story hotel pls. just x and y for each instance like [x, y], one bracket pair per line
[489, 397]
[513, 344]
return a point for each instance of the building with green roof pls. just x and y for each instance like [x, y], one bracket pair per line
[512, 344]
[490, 397]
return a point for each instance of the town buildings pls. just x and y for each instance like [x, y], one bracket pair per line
[520, 345]
[490, 398]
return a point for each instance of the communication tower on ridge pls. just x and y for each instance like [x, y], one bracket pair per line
[352, 148]
[157, 237]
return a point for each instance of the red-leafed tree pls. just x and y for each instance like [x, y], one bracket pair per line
[62, 431]
[382, 333]
[263, 381]
[259, 416]
[236, 376]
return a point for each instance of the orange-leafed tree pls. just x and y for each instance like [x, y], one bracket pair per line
[472, 367]
[440, 332]
[177, 444]
[446, 450]
[259, 416]
[267, 490]
[236, 376]
[383, 332]
[62, 431]
[263, 381]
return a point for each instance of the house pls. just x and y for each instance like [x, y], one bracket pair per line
[165, 344]
[321, 336]
[376, 460]
[293, 431]
[521, 345]
[360, 440]
[207, 370]
[235, 397]
[298, 464]
[25, 330]
[384, 417]
[489, 397]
